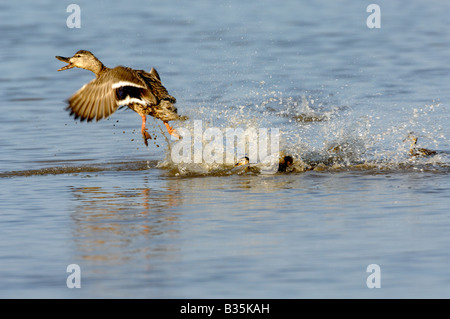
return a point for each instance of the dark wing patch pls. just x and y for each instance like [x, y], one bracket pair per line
[123, 92]
[99, 98]
[117, 87]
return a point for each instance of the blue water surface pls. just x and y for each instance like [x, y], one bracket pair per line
[139, 226]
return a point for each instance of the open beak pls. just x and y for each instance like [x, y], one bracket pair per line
[67, 60]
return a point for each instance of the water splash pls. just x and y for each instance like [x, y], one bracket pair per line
[324, 135]
[319, 133]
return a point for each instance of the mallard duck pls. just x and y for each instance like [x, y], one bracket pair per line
[121, 86]
[242, 161]
[414, 151]
[283, 163]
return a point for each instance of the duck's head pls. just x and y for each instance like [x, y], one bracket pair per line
[412, 138]
[243, 161]
[82, 59]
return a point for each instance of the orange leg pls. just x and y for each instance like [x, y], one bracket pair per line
[171, 130]
[144, 132]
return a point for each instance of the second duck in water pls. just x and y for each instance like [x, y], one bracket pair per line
[418, 151]
[141, 91]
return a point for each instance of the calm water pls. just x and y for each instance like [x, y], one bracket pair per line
[140, 226]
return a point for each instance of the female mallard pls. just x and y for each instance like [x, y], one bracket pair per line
[141, 91]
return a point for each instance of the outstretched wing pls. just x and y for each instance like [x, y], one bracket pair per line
[95, 100]
[102, 96]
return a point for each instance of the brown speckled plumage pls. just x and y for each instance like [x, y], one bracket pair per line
[141, 91]
[418, 151]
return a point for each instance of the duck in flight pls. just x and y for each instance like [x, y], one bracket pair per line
[121, 86]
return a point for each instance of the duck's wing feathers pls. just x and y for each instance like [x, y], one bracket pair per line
[102, 96]
[153, 80]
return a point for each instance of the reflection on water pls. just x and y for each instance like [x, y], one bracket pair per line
[107, 221]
